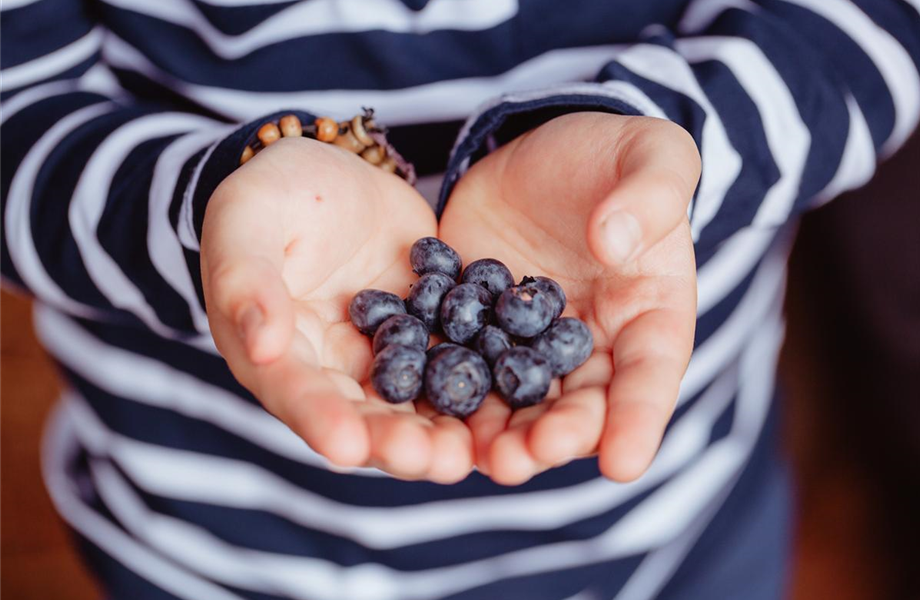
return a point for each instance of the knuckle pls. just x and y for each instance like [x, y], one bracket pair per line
[675, 188]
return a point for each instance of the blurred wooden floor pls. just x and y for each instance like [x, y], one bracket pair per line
[37, 560]
[848, 543]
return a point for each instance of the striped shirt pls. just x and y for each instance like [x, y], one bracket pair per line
[120, 117]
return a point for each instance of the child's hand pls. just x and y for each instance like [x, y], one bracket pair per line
[288, 239]
[599, 203]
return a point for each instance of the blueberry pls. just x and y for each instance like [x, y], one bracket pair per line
[438, 348]
[431, 255]
[522, 376]
[425, 298]
[398, 373]
[456, 381]
[524, 311]
[552, 290]
[464, 312]
[401, 330]
[490, 274]
[370, 308]
[490, 342]
[567, 344]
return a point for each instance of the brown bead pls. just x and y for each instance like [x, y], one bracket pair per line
[374, 154]
[388, 164]
[290, 126]
[360, 131]
[326, 129]
[269, 134]
[348, 141]
[248, 153]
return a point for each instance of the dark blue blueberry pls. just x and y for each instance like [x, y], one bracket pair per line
[438, 348]
[490, 342]
[398, 373]
[370, 308]
[567, 344]
[425, 298]
[522, 376]
[490, 274]
[523, 311]
[431, 255]
[464, 312]
[552, 290]
[456, 381]
[401, 330]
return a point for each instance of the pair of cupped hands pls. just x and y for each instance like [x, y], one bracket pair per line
[596, 201]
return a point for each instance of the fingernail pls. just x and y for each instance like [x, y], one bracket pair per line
[622, 235]
[249, 322]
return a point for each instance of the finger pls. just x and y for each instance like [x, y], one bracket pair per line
[596, 372]
[509, 456]
[650, 357]
[349, 388]
[659, 169]
[315, 407]
[400, 439]
[400, 443]
[452, 446]
[377, 403]
[251, 296]
[485, 425]
[347, 349]
[452, 451]
[570, 428]
[242, 256]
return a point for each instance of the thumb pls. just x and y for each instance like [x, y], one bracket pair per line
[251, 295]
[659, 169]
[242, 256]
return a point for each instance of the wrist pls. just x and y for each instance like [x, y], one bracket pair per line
[515, 114]
[359, 135]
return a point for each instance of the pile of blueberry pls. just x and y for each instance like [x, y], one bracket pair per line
[502, 335]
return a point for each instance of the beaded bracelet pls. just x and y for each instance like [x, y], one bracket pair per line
[360, 135]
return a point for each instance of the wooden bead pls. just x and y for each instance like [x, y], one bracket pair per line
[360, 131]
[248, 153]
[269, 134]
[290, 126]
[326, 129]
[348, 141]
[389, 164]
[374, 154]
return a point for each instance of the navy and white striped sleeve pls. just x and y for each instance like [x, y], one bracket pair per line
[103, 194]
[791, 102]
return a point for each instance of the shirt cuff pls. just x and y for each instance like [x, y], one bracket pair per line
[503, 119]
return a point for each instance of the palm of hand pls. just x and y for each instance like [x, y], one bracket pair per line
[533, 204]
[264, 230]
[279, 315]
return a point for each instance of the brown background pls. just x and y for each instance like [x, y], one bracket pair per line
[851, 419]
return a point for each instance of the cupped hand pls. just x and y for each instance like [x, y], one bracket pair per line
[599, 203]
[288, 239]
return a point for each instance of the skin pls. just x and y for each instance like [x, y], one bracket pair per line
[279, 315]
[288, 239]
[540, 203]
